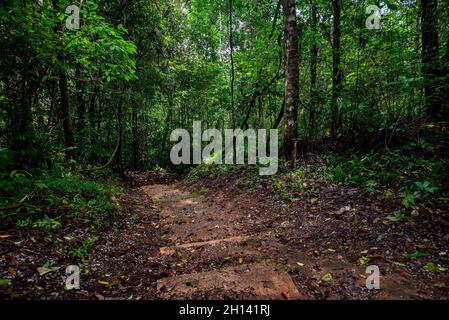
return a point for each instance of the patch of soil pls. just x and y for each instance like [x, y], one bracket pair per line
[339, 230]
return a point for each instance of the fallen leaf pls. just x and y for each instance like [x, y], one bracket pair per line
[44, 270]
[375, 256]
[185, 260]
[363, 260]
[416, 254]
[327, 277]
[340, 211]
[432, 267]
[12, 263]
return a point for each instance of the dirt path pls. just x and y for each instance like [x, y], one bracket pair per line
[215, 237]
[215, 240]
[224, 245]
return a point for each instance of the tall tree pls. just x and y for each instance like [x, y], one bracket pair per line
[445, 72]
[291, 79]
[231, 45]
[64, 90]
[430, 68]
[313, 70]
[336, 69]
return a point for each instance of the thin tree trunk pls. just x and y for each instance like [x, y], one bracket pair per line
[81, 110]
[134, 136]
[51, 114]
[64, 92]
[280, 116]
[231, 45]
[291, 79]
[429, 21]
[261, 121]
[313, 71]
[445, 75]
[418, 28]
[336, 71]
[65, 111]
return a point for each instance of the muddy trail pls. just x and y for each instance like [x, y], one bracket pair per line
[212, 240]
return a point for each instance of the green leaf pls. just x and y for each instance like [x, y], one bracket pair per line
[327, 277]
[416, 254]
[433, 267]
[409, 200]
[363, 260]
[398, 216]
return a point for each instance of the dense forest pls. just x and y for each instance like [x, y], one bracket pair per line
[90, 91]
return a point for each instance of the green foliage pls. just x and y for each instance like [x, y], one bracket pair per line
[281, 189]
[82, 251]
[416, 178]
[48, 225]
[416, 254]
[409, 200]
[396, 217]
[46, 200]
[430, 266]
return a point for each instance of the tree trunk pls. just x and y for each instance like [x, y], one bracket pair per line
[313, 71]
[291, 79]
[429, 23]
[261, 122]
[65, 111]
[51, 114]
[445, 75]
[63, 88]
[119, 147]
[336, 71]
[232, 80]
[81, 110]
[134, 137]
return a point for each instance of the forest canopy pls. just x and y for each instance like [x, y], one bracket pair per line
[135, 70]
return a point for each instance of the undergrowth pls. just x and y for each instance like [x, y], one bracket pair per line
[59, 203]
[398, 174]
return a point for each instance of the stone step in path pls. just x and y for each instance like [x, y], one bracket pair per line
[213, 243]
[260, 280]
